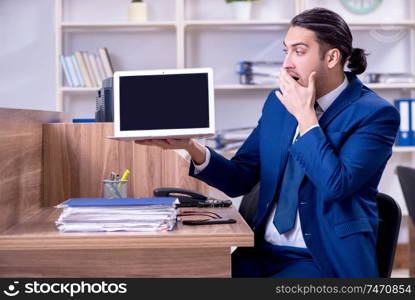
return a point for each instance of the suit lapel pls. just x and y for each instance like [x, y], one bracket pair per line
[279, 150]
[276, 138]
[350, 94]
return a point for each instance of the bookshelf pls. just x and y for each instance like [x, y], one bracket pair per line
[185, 20]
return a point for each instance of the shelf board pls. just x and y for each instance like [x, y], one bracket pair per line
[406, 23]
[79, 89]
[403, 148]
[117, 25]
[217, 87]
[375, 86]
[381, 86]
[245, 87]
[369, 24]
[213, 23]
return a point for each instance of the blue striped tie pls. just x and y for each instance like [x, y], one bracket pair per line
[284, 218]
[285, 214]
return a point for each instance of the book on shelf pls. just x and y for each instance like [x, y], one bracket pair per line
[109, 70]
[89, 67]
[94, 67]
[66, 71]
[100, 67]
[72, 72]
[77, 71]
[84, 69]
[118, 214]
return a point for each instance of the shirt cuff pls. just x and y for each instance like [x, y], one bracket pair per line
[310, 129]
[200, 168]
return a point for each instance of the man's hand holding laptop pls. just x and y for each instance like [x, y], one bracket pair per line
[195, 149]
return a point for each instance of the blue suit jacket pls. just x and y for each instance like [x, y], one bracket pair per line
[342, 161]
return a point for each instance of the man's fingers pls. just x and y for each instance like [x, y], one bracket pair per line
[312, 81]
[151, 142]
[279, 96]
[161, 143]
[284, 81]
[288, 78]
[164, 143]
[141, 142]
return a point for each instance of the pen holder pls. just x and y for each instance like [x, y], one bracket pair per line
[115, 188]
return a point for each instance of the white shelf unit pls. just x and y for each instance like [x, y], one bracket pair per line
[404, 149]
[181, 25]
[374, 86]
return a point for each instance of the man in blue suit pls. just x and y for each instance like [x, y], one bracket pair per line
[318, 151]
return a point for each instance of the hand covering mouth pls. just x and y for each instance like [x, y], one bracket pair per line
[294, 76]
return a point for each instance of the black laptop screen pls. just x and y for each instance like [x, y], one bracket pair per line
[177, 101]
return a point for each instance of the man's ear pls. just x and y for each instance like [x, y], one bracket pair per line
[332, 57]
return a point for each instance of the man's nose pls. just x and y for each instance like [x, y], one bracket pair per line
[287, 63]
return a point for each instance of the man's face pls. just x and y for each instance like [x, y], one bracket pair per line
[302, 54]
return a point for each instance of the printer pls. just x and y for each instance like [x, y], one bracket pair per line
[105, 102]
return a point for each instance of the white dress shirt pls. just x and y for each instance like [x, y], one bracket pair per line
[294, 237]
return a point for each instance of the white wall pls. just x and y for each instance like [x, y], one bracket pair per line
[27, 59]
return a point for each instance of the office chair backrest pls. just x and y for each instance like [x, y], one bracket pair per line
[406, 177]
[388, 231]
[248, 205]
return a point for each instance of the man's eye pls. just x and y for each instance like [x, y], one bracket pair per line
[285, 51]
[299, 52]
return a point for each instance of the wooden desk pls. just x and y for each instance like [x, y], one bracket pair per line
[42, 165]
[34, 248]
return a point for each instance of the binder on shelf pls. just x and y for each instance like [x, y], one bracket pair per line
[405, 133]
[412, 131]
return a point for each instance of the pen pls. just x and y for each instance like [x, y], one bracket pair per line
[124, 177]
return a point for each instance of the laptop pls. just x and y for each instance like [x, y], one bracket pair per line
[160, 104]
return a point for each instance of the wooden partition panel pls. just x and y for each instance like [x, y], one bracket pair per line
[77, 157]
[21, 162]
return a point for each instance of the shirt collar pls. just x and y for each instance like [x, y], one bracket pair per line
[325, 101]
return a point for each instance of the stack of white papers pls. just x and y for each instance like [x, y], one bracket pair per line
[118, 214]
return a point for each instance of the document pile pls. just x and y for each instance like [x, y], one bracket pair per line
[259, 72]
[229, 139]
[118, 214]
